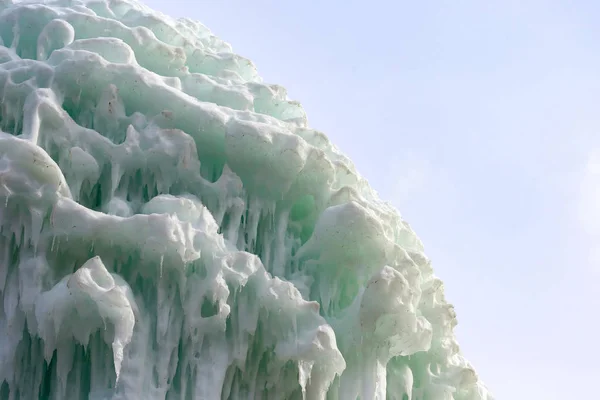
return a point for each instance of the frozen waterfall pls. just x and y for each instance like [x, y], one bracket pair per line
[172, 228]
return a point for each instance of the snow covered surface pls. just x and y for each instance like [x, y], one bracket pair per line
[171, 228]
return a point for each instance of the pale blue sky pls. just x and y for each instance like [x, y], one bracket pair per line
[480, 121]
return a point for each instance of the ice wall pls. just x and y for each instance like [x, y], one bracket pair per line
[171, 228]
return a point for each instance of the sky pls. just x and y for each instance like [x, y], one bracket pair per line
[480, 121]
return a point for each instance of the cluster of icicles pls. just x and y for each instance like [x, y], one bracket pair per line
[171, 228]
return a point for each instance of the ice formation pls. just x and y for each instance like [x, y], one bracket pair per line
[171, 228]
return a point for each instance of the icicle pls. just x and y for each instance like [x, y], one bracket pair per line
[162, 259]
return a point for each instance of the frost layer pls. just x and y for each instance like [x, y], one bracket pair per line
[171, 228]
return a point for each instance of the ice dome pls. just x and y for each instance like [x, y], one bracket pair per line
[172, 228]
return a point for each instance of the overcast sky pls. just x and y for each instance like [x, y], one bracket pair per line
[480, 121]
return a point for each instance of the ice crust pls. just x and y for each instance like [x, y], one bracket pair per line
[171, 228]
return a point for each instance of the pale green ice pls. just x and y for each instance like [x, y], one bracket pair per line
[172, 228]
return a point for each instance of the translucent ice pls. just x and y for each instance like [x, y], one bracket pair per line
[171, 228]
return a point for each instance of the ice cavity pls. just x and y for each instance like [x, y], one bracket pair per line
[172, 228]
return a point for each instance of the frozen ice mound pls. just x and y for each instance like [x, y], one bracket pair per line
[172, 228]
